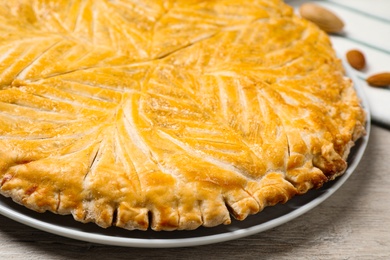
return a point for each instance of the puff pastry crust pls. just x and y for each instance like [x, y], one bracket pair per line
[166, 114]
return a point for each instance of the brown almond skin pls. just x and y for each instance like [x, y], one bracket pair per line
[379, 80]
[322, 17]
[356, 59]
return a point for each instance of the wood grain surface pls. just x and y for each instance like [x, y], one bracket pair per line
[354, 223]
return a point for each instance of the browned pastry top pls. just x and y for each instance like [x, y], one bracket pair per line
[168, 114]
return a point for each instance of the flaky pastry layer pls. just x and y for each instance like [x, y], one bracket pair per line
[168, 114]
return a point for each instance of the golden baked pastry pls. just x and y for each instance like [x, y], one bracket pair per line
[168, 114]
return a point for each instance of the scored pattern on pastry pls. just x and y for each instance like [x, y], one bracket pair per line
[168, 114]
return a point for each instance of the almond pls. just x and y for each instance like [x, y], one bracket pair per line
[356, 59]
[379, 80]
[322, 17]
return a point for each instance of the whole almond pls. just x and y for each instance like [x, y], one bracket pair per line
[379, 80]
[356, 59]
[322, 17]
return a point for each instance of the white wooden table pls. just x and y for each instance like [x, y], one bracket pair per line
[354, 223]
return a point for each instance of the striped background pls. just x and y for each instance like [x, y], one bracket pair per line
[367, 28]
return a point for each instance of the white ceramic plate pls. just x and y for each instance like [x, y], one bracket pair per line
[270, 217]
